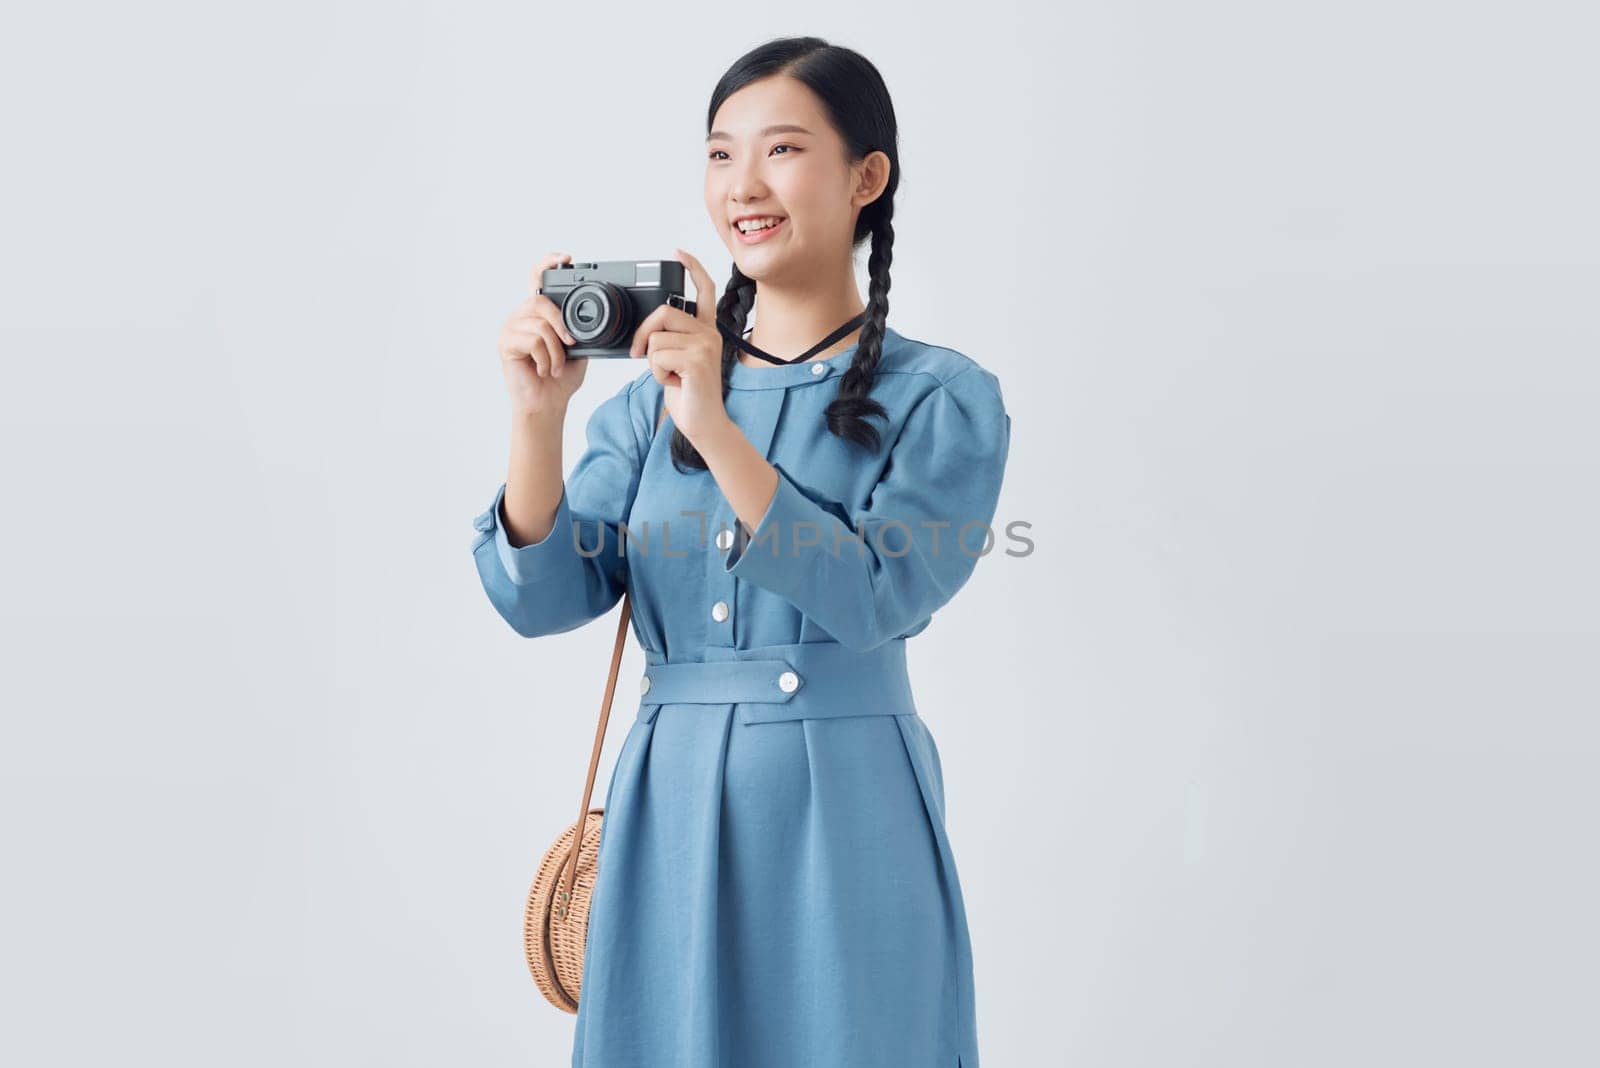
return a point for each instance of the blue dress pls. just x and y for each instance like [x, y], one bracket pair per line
[774, 884]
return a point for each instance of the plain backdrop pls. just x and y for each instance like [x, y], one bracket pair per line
[1278, 749]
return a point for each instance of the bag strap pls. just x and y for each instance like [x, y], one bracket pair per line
[564, 892]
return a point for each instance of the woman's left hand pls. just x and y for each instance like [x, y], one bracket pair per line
[685, 353]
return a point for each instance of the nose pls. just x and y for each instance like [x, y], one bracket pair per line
[747, 184]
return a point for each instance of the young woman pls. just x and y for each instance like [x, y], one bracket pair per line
[774, 884]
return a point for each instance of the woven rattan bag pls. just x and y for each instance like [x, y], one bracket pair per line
[556, 921]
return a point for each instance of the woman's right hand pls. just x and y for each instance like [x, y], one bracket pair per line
[533, 354]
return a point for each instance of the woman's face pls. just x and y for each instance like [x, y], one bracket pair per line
[772, 152]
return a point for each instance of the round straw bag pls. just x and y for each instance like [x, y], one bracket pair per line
[555, 924]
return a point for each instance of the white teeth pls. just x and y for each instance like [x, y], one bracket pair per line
[748, 226]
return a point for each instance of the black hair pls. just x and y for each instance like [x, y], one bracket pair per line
[856, 101]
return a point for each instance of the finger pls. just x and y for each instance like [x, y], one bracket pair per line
[543, 306]
[536, 277]
[649, 325]
[666, 341]
[665, 364]
[552, 314]
[558, 350]
[524, 333]
[518, 339]
[665, 319]
[540, 306]
[705, 292]
[551, 354]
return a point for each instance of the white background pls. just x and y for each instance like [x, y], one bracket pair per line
[1279, 750]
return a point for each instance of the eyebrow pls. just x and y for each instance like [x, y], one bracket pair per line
[782, 127]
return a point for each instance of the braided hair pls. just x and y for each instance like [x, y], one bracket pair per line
[857, 102]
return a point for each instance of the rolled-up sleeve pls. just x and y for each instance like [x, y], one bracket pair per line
[919, 537]
[578, 571]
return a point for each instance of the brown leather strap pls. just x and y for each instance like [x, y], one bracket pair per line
[600, 731]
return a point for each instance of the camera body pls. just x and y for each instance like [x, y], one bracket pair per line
[602, 303]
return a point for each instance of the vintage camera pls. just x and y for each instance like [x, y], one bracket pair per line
[603, 303]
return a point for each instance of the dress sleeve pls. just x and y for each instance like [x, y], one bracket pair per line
[578, 571]
[919, 537]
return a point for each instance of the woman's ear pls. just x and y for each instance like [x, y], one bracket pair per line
[872, 176]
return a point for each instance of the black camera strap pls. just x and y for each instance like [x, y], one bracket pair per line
[743, 343]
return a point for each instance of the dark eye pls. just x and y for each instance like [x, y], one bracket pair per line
[717, 151]
[776, 147]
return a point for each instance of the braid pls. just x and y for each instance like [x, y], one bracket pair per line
[847, 413]
[733, 308]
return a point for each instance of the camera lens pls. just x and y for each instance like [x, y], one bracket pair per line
[598, 314]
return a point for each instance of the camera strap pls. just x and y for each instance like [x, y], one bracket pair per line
[743, 343]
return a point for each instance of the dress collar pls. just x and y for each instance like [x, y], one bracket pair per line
[799, 374]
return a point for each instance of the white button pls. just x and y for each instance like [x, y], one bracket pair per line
[788, 682]
[644, 684]
[724, 538]
[719, 611]
[819, 368]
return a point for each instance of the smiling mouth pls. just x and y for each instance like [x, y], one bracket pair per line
[751, 236]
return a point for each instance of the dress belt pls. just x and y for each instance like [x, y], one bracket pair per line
[808, 680]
